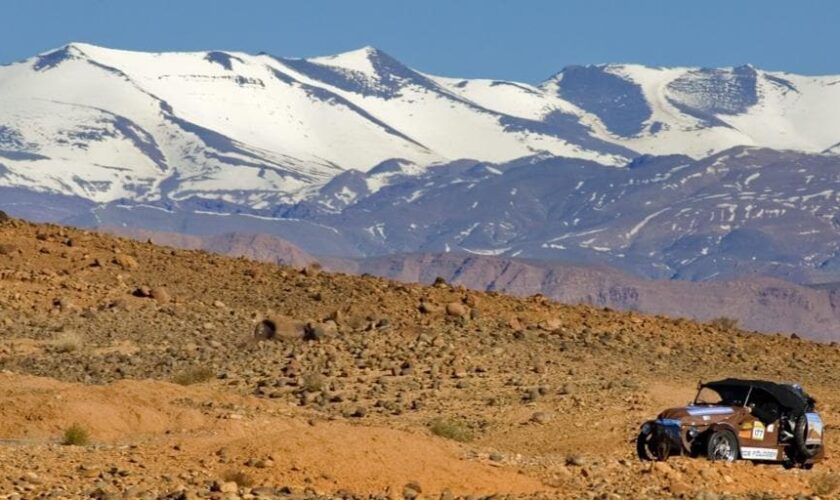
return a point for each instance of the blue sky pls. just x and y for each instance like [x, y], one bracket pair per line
[517, 40]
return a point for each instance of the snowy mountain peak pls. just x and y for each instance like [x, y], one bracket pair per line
[50, 59]
[233, 128]
[355, 60]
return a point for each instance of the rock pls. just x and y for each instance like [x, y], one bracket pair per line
[577, 460]
[228, 487]
[531, 395]
[662, 468]
[360, 412]
[456, 309]
[31, 477]
[319, 331]
[279, 328]
[412, 490]
[64, 304]
[357, 322]
[126, 262]
[268, 492]
[311, 270]
[428, 307]
[3, 216]
[550, 324]
[540, 418]
[160, 295]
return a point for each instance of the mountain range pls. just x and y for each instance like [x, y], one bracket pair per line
[699, 174]
[259, 130]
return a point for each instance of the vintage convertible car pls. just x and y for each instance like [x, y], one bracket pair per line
[735, 419]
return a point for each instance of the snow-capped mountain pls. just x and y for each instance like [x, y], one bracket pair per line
[663, 172]
[258, 131]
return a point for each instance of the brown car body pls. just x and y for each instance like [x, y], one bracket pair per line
[767, 428]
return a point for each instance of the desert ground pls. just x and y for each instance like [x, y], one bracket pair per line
[129, 370]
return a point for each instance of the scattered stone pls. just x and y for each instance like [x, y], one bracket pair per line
[429, 308]
[540, 418]
[320, 331]
[126, 262]
[412, 490]
[456, 309]
[160, 295]
[229, 487]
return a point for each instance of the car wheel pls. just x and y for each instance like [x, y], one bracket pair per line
[644, 443]
[800, 432]
[722, 445]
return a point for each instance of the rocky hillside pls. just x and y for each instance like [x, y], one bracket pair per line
[194, 373]
[763, 304]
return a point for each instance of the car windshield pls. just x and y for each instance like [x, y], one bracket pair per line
[729, 396]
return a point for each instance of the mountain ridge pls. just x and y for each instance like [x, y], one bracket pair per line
[261, 129]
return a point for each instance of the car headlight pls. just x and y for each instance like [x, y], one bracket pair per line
[647, 428]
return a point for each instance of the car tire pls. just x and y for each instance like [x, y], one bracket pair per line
[722, 445]
[800, 439]
[643, 441]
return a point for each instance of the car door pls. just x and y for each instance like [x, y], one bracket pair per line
[758, 441]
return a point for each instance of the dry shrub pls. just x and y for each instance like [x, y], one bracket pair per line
[451, 429]
[314, 382]
[69, 342]
[194, 375]
[75, 435]
[241, 479]
[724, 323]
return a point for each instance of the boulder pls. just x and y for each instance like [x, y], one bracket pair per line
[160, 295]
[319, 331]
[456, 309]
[278, 327]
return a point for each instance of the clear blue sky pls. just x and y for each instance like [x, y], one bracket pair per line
[518, 40]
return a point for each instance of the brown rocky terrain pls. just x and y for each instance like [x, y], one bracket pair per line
[757, 303]
[365, 387]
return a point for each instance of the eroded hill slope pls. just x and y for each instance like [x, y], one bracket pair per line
[546, 397]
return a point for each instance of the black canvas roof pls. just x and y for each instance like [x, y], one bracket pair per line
[786, 395]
